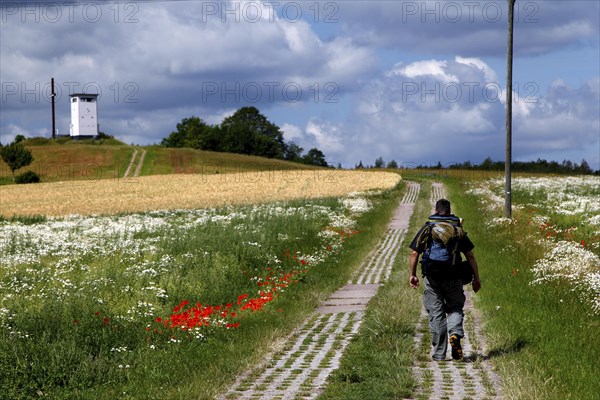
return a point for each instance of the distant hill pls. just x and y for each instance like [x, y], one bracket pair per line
[65, 160]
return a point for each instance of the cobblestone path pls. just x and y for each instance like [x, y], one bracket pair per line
[313, 351]
[470, 379]
[300, 369]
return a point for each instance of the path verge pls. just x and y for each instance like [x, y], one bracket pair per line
[313, 351]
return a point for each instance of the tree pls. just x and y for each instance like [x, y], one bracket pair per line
[379, 163]
[487, 164]
[191, 132]
[392, 164]
[293, 152]
[247, 131]
[584, 168]
[16, 156]
[359, 165]
[315, 157]
[19, 138]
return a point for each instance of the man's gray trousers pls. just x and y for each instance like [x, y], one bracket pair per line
[444, 301]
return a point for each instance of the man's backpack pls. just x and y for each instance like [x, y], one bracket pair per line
[440, 239]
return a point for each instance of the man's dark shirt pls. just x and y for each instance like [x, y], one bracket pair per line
[464, 246]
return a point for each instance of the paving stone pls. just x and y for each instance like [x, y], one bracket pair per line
[318, 344]
[345, 308]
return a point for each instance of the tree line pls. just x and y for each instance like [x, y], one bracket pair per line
[247, 131]
[540, 165]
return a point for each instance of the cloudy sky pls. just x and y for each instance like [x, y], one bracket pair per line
[410, 81]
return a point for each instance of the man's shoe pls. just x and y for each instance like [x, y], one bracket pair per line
[457, 353]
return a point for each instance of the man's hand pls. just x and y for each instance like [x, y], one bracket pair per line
[414, 259]
[414, 281]
[476, 285]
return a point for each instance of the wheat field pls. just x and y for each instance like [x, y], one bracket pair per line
[160, 192]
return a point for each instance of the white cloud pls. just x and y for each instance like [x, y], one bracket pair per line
[291, 132]
[328, 136]
[417, 117]
[175, 56]
[433, 68]
[471, 28]
[179, 59]
[489, 73]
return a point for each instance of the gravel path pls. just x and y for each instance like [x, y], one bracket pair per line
[472, 378]
[313, 351]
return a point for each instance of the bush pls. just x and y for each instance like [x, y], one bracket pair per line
[38, 141]
[62, 140]
[27, 177]
[102, 135]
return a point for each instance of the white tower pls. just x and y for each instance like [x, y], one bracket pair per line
[84, 116]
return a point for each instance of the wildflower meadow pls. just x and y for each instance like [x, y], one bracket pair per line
[540, 281]
[563, 216]
[130, 305]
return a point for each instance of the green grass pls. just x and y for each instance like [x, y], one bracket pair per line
[378, 362]
[160, 160]
[73, 161]
[67, 333]
[64, 160]
[542, 338]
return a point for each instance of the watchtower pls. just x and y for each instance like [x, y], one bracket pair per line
[84, 116]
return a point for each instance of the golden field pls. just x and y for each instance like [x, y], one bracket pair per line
[159, 192]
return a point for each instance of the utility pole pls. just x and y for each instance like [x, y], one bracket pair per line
[509, 82]
[53, 95]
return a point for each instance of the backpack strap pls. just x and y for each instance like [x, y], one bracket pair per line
[424, 236]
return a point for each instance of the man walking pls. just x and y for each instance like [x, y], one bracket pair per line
[441, 241]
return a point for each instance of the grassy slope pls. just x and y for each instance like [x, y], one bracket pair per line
[160, 160]
[64, 160]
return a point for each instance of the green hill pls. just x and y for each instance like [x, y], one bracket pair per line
[63, 160]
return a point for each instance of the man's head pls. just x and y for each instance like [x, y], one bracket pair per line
[442, 206]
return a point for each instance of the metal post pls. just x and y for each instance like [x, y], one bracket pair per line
[509, 81]
[53, 95]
